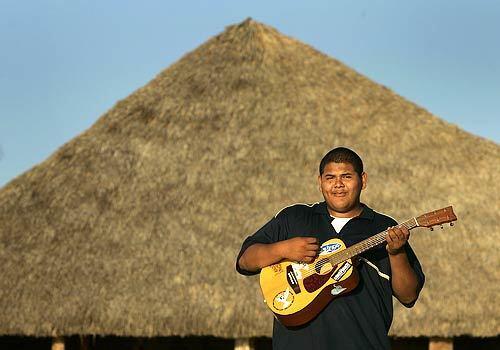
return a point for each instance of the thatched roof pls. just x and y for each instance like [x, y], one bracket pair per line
[132, 227]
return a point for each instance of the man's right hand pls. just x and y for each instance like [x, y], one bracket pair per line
[259, 255]
[303, 249]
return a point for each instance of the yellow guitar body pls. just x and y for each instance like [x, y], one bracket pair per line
[296, 292]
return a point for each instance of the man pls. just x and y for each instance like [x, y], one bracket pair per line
[362, 318]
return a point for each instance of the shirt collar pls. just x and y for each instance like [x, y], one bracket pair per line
[366, 213]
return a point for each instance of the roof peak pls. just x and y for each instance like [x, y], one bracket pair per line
[248, 21]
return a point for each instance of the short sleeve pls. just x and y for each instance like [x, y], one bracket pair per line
[271, 232]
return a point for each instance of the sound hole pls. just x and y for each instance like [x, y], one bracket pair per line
[323, 266]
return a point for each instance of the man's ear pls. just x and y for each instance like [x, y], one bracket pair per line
[319, 183]
[364, 180]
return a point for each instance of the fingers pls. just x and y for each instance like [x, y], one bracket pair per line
[311, 249]
[302, 249]
[398, 233]
[310, 254]
[311, 245]
[396, 238]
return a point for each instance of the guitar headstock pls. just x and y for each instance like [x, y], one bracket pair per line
[437, 217]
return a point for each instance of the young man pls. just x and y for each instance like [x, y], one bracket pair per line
[362, 318]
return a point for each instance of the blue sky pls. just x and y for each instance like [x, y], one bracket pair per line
[64, 63]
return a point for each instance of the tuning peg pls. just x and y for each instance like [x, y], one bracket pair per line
[431, 228]
[451, 223]
[441, 227]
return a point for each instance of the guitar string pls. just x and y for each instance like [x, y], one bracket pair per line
[361, 246]
[336, 258]
[341, 256]
[356, 249]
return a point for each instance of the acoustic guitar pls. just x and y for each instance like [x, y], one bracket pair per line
[296, 292]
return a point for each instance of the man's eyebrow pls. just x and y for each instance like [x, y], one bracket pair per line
[343, 173]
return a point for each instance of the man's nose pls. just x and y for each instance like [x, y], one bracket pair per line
[338, 183]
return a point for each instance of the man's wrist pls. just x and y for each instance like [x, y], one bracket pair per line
[395, 252]
[279, 249]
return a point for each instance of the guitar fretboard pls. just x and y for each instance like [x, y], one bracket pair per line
[366, 244]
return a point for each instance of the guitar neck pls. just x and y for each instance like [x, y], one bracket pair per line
[367, 244]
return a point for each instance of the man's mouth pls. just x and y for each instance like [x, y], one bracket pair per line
[339, 194]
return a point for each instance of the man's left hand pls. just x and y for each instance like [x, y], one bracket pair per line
[397, 236]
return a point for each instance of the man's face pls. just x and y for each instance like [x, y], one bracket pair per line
[341, 187]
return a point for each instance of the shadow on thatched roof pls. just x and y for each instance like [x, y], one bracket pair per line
[133, 226]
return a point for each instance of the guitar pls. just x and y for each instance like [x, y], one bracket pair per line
[296, 292]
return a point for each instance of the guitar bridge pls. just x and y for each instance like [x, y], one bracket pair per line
[292, 279]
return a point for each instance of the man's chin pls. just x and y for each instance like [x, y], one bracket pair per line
[341, 209]
[340, 205]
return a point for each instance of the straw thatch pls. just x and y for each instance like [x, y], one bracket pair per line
[132, 227]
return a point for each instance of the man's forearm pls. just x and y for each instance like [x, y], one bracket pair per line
[404, 280]
[261, 255]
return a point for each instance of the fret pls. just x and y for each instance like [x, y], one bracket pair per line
[367, 244]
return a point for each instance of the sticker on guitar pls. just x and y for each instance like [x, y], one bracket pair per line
[329, 248]
[297, 267]
[342, 271]
[283, 300]
[337, 289]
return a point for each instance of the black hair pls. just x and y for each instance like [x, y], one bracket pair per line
[342, 155]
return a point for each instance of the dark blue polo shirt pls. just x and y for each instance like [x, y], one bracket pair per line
[359, 320]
